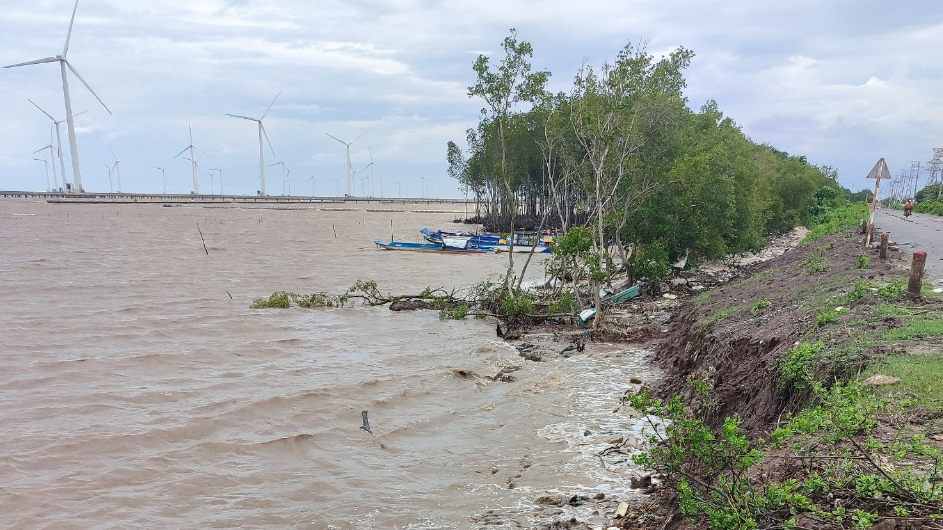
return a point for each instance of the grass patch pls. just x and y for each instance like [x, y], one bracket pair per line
[702, 298]
[890, 310]
[917, 329]
[719, 314]
[836, 220]
[919, 374]
[816, 262]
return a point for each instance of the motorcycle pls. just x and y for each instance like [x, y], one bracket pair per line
[908, 211]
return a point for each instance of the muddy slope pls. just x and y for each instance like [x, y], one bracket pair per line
[731, 336]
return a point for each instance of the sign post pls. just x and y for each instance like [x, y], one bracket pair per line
[878, 172]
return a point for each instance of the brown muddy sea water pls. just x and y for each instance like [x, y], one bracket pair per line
[139, 390]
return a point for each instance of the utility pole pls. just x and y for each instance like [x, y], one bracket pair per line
[915, 172]
[935, 166]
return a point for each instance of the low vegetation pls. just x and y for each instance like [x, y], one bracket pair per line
[856, 433]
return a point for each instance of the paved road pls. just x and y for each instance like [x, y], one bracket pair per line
[917, 232]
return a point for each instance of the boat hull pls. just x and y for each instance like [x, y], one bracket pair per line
[429, 247]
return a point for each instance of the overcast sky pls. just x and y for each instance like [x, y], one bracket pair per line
[842, 82]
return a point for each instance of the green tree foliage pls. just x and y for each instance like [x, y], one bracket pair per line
[621, 154]
[930, 199]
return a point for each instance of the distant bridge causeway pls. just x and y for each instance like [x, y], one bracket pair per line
[190, 198]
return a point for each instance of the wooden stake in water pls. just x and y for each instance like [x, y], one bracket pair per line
[201, 239]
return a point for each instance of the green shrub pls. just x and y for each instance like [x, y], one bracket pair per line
[816, 262]
[798, 367]
[863, 261]
[930, 207]
[836, 220]
[456, 313]
[651, 262]
[277, 300]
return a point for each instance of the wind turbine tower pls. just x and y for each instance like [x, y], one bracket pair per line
[191, 147]
[58, 142]
[164, 175]
[53, 164]
[63, 63]
[117, 169]
[261, 134]
[350, 182]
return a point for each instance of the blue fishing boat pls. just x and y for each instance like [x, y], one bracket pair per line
[522, 242]
[430, 247]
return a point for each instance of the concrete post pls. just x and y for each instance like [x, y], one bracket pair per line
[916, 274]
[884, 240]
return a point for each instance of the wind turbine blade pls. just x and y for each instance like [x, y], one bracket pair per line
[195, 148]
[65, 49]
[270, 104]
[86, 84]
[265, 134]
[357, 138]
[40, 109]
[243, 117]
[182, 152]
[336, 138]
[37, 61]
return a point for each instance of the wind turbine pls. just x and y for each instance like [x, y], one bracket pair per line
[45, 165]
[58, 140]
[164, 175]
[220, 179]
[284, 181]
[111, 186]
[364, 178]
[350, 190]
[192, 159]
[63, 63]
[261, 134]
[52, 156]
[422, 191]
[371, 166]
[117, 169]
[212, 186]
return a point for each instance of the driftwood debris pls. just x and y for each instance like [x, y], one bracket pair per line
[366, 423]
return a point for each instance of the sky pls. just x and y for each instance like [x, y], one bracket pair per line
[841, 82]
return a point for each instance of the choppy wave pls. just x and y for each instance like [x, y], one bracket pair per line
[137, 388]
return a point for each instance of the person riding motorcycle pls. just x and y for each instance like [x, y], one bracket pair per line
[908, 207]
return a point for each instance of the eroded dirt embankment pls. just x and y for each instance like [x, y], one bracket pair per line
[731, 336]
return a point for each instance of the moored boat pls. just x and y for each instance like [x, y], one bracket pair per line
[430, 247]
[523, 242]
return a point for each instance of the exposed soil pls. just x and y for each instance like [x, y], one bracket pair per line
[727, 324]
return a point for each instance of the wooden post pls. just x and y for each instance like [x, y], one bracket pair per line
[916, 274]
[884, 239]
[878, 172]
[869, 234]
